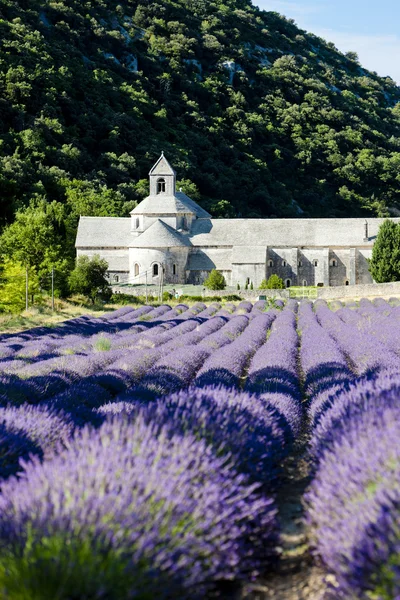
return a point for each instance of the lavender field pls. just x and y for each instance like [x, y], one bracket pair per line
[142, 453]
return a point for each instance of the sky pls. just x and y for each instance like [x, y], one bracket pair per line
[368, 27]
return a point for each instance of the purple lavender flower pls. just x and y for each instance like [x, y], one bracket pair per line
[129, 511]
[323, 363]
[14, 446]
[345, 497]
[42, 426]
[226, 365]
[274, 365]
[343, 408]
[233, 422]
[172, 372]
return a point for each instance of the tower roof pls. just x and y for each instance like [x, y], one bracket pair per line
[169, 205]
[160, 235]
[162, 167]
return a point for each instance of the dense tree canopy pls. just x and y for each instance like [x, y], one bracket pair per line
[385, 262]
[89, 278]
[260, 117]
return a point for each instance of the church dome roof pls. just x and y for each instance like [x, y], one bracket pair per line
[160, 235]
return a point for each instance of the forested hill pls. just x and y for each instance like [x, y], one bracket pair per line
[258, 117]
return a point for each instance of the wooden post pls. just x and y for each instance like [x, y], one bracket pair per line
[26, 289]
[162, 282]
[52, 289]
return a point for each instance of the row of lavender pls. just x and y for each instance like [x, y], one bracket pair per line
[351, 365]
[158, 438]
[143, 474]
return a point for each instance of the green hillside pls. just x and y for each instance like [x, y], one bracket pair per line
[259, 117]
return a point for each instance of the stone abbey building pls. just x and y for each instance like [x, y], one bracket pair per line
[169, 233]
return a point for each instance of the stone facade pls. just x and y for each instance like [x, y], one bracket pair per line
[169, 236]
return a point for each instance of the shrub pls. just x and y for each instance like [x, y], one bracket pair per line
[273, 283]
[149, 515]
[215, 281]
[231, 421]
[89, 278]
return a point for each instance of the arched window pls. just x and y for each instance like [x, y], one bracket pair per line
[161, 186]
[315, 263]
[270, 263]
[174, 269]
[248, 281]
[288, 283]
[137, 224]
[304, 282]
[136, 270]
[347, 283]
[116, 278]
[333, 262]
[300, 264]
[155, 270]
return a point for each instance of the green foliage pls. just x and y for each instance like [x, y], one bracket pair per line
[385, 262]
[251, 285]
[89, 278]
[238, 286]
[13, 286]
[102, 344]
[36, 239]
[273, 283]
[215, 281]
[300, 130]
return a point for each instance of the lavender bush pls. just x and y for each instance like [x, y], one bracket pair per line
[233, 422]
[148, 515]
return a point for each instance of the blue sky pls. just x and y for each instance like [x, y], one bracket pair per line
[372, 29]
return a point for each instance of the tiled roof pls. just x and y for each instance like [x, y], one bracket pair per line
[103, 232]
[285, 232]
[160, 235]
[161, 204]
[162, 167]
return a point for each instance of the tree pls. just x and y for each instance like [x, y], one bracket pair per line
[36, 239]
[273, 283]
[385, 262]
[13, 286]
[215, 281]
[89, 278]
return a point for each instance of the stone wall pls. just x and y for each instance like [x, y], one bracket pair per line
[360, 291]
[251, 295]
[252, 273]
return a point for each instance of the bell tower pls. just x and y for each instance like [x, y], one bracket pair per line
[162, 178]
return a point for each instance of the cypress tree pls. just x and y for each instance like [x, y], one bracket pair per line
[385, 262]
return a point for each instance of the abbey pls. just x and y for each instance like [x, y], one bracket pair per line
[169, 233]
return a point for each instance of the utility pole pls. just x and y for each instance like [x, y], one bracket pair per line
[52, 289]
[26, 289]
